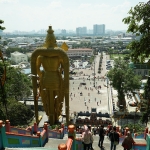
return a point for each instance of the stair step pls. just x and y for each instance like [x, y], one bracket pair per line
[53, 143]
[106, 143]
[32, 148]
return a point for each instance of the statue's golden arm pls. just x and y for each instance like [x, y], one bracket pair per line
[38, 65]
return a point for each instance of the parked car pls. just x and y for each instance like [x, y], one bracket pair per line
[108, 65]
[108, 68]
[108, 61]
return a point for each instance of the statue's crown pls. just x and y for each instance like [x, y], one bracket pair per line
[50, 38]
[50, 30]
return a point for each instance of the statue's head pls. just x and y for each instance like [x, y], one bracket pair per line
[50, 41]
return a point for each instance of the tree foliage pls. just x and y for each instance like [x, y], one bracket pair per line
[1, 28]
[139, 24]
[123, 80]
[20, 110]
[12, 50]
[17, 87]
[19, 114]
[146, 102]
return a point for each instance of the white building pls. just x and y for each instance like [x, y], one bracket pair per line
[20, 45]
[79, 52]
[68, 42]
[18, 57]
[81, 31]
[99, 29]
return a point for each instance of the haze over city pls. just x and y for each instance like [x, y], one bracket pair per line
[27, 15]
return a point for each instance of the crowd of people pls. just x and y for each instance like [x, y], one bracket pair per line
[87, 137]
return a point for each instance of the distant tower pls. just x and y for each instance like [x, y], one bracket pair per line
[63, 32]
[81, 31]
[78, 31]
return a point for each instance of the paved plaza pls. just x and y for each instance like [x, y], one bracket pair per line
[91, 97]
[85, 97]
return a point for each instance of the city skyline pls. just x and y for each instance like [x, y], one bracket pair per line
[26, 15]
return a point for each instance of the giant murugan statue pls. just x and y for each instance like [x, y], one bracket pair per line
[47, 65]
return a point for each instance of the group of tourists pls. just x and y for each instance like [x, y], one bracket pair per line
[113, 136]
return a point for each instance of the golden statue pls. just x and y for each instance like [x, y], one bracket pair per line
[53, 87]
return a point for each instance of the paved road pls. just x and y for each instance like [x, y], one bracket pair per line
[77, 102]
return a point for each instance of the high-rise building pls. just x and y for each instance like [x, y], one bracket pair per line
[63, 31]
[99, 29]
[81, 31]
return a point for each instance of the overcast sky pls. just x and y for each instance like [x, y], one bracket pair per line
[27, 15]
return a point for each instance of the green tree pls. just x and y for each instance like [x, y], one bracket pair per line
[81, 44]
[17, 109]
[139, 24]
[5, 43]
[3, 100]
[146, 102]
[19, 114]
[110, 52]
[11, 50]
[1, 28]
[18, 84]
[123, 80]
[126, 57]
[89, 44]
[74, 45]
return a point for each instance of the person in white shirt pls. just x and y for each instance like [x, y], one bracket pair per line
[87, 138]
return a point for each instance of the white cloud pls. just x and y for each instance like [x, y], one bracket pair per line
[63, 14]
[84, 6]
[55, 4]
[120, 8]
[8, 1]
